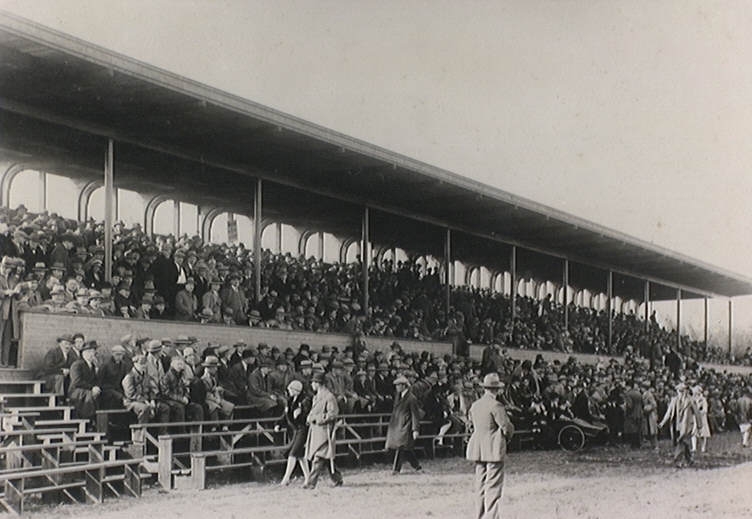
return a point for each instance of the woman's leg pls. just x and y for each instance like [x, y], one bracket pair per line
[288, 471]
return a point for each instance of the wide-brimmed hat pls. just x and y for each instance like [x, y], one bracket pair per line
[118, 349]
[491, 381]
[90, 345]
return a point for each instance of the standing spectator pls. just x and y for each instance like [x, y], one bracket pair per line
[320, 447]
[234, 297]
[702, 431]
[744, 414]
[296, 412]
[9, 290]
[404, 427]
[488, 447]
[650, 415]
[165, 274]
[682, 412]
[633, 414]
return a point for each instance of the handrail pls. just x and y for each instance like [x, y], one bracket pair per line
[70, 469]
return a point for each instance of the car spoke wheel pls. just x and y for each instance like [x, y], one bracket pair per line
[571, 438]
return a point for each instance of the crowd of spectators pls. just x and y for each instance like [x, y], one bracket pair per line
[173, 380]
[57, 265]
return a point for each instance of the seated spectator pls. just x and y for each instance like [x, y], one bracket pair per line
[111, 376]
[84, 392]
[141, 393]
[213, 302]
[260, 395]
[56, 365]
[216, 407]
[186, 304]
[174, 394]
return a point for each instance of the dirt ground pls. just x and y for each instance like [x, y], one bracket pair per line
[599, 482]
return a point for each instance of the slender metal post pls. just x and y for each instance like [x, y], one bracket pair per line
[513, 275]
[257, 215]
[566, 294]
[365, 257]
[279, 237]
[646, 298]
[42, 191]
[705, 324]
[176, 218]
[109, 164]
[447, 270]
[321, 245]
[678, 318]
[609, 304]
[731, 327]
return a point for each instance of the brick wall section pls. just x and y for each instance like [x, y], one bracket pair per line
[39, 331]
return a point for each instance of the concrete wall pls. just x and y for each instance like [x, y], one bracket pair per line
[39, 331]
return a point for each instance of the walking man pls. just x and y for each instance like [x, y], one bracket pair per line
[404, 426]
[488, 447]
[682, 413]
[320, 448]
[744, 414]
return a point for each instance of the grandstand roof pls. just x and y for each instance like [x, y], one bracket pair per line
[60, 97]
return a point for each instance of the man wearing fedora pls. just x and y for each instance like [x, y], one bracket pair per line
[320, 447]
[216, 407]
[84, 391]
[682, 413]
[57, 363]
[488, 447]
[404, 426]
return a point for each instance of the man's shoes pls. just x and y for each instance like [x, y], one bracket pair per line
[395, 473]
[309, 486]
[339, 483]
[418, 469]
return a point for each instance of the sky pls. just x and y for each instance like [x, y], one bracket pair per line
[632, 114]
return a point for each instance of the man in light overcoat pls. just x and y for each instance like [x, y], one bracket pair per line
[488, 447]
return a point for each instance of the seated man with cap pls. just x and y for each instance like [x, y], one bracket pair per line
[174, 394]
[260, 395]
[56, 365]
[337, 384]
[111, 377]
[84, 391]
[216, 407]
[141, 392]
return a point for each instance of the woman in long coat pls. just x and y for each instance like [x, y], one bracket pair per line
[296, 412]
[702, 430]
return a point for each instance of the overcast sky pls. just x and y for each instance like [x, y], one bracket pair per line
[632, 114]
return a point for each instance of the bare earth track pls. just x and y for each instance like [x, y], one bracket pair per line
[600, 482]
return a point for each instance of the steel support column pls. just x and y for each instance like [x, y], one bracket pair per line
[109, 173]
[365, 257]
[646, 298]
[513, 287]
[609, 304]
[279, 237]
[731, 327]
[447, 270]
[257, 215]
[705, 323]
[565, 282]
[321, 245]
[42, 191]
[176, 218]
[678, 318]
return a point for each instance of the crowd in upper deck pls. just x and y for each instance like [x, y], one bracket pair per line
[55, 264]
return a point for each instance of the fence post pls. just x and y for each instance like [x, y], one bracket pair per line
[164, 462]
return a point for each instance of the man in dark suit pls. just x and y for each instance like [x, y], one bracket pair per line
[165, 273]
[57, 363]
[404, 426]
[84, 388]
[236, 383]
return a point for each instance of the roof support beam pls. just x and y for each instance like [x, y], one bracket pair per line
[109, 205]
[365, 257]
[257, 216]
